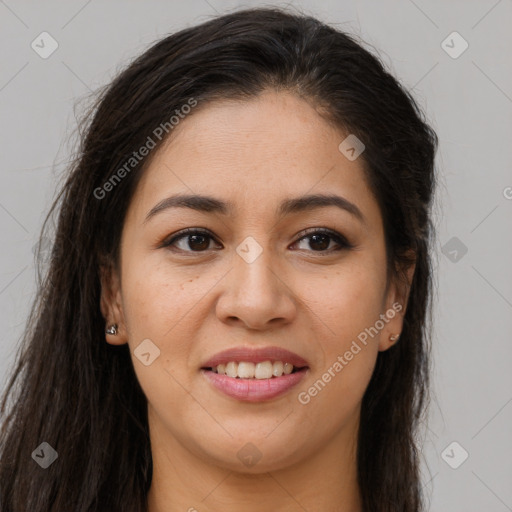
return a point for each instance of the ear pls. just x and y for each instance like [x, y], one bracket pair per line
[111, 304]
[396, 300]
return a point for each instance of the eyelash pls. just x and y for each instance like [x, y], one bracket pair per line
[337, 237]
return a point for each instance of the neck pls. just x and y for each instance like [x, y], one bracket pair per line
[185, 482]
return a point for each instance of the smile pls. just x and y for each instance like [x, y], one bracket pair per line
[249, 370]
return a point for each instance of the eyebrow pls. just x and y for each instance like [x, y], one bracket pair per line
[210, 204]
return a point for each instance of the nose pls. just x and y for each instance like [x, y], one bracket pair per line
[256, 294]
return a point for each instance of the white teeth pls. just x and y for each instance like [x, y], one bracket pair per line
[231, 369]
[277, 369]
[246, 370]
[264, 370]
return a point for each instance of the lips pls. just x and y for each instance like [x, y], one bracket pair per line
[255, 355]
[253, 390]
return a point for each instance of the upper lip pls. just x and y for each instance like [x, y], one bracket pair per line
[255, 355]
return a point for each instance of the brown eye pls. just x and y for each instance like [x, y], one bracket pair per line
[320, 241]
[199, 242]
[191, 240]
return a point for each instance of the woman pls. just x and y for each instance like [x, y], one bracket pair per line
[235, 311]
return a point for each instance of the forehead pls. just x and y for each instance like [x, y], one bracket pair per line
[254, 154]
[277, 130]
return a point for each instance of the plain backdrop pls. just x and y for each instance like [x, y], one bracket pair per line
[467, 96]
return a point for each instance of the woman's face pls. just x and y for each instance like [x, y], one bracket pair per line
[259, 278]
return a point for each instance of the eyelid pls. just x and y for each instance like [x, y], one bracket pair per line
[333, 234]
[180, 234]
[337, 237]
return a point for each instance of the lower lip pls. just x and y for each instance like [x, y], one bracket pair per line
[254, 390]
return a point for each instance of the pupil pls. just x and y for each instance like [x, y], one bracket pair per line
[325, 239]
[322, 240]
[192, 238]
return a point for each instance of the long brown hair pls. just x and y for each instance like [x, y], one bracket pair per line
[80, 394]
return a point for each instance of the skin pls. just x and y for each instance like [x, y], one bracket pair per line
[195, 303]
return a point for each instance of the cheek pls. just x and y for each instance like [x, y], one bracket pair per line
[167, 306]
[157, 304]
[348, 304]
[349, 299]
[156, 296]
[347, 308]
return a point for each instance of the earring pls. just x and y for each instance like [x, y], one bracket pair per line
[394, 337]
[111, 329]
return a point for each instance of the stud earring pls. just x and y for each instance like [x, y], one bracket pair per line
[394, 337]
[111, 329]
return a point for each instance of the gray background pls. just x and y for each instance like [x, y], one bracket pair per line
[468, 101]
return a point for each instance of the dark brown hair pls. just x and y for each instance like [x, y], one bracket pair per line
[80, 394]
